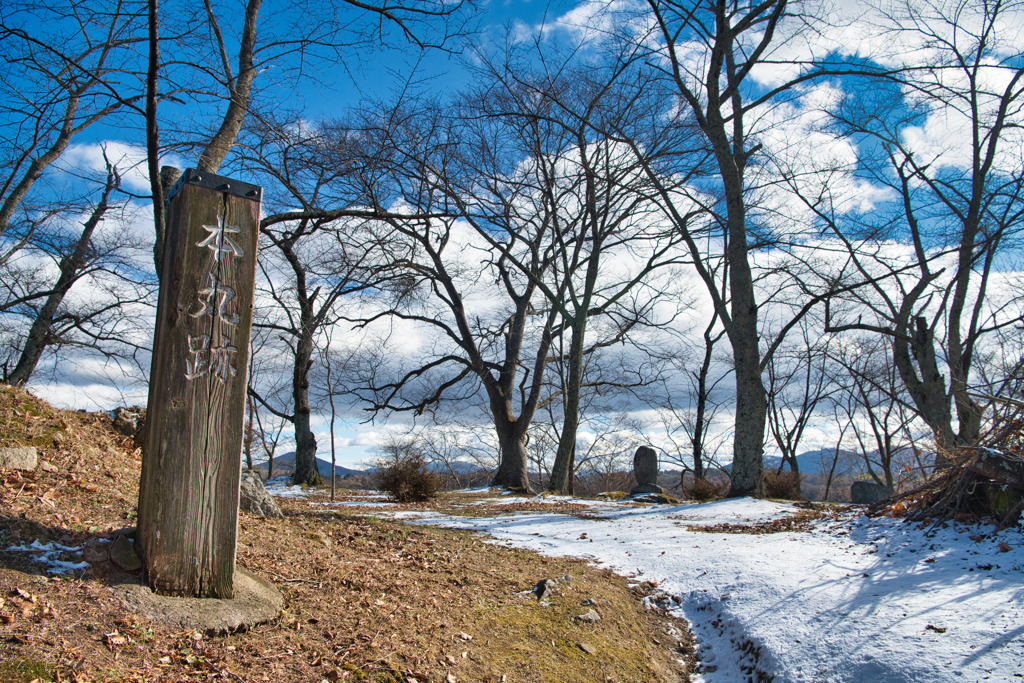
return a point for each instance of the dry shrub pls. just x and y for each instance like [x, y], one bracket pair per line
[702, 490]
[407, 479]
[782, 485]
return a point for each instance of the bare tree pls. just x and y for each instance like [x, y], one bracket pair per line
[877, 409]
[549, 201]
[798, 383]
[320, 249]
[505, 351]
[958, 202]
[44, 317]
[213, 58]
[710, 52]
[67, 67]
[46, 325]
[602, 208]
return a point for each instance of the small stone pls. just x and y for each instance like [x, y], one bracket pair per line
[545, 588]
[122, 553]
[320, 537]
[589, 649]
[590, 616]
[658, 499]
[94, 553]
[129, 420]
[19, 458]
[48, 466]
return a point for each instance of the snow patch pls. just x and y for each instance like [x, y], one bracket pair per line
[853, 599]
[50, 554]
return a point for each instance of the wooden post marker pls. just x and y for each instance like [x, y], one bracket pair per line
[188, 497]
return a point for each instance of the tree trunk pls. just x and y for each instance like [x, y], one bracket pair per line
[305, 443]
[561, 471]
[513, 470]
[751, 399]
[240, 93]
[928, 390]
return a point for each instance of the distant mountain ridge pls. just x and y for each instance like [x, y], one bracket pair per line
[814, 462]
[285, 464]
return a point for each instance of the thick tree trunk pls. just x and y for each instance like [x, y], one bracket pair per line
[751, 399]
[748, 437]
[513, 469]
[240, 90]
[927, 389]
[305, 443]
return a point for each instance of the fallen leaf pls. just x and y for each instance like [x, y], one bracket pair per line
[114, 639]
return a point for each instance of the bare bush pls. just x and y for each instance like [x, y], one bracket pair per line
[783, 485]
[405, 478]
[702, 490]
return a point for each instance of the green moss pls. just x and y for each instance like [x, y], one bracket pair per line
[23, 670]
[357, 673]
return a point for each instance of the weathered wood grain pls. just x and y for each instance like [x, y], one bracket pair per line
[188, 498]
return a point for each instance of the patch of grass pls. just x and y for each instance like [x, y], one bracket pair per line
[802, 520]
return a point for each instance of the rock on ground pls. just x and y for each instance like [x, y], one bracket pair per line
[19, 458]
[254, 498]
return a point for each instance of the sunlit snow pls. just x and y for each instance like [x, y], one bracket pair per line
[853, 599]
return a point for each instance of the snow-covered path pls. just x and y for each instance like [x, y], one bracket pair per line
[851, 600]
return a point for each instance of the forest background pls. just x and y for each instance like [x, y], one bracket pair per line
[535, 237]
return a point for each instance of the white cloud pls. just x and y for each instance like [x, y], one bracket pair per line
[130, 161]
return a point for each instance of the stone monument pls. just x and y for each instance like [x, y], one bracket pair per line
[645, 469]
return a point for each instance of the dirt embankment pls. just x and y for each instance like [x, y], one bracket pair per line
[366, 599]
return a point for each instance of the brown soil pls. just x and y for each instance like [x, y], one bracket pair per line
[366, 599]
[801, 520]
